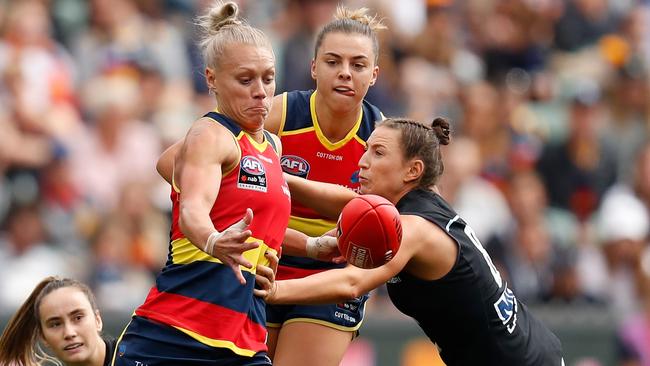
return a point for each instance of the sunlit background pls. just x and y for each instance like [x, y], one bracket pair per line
[550, 161]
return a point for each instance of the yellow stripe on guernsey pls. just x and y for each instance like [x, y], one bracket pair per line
[311, 227]
[218, 343]
[259, 146]
[283, 118]
[184, 252]
[319, 133]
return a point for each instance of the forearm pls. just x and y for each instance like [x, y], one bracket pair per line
[328, 287]
[325, 198]
[196, 226]
[294, 243]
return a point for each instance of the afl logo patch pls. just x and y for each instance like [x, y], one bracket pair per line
[252, 174]
[295, 165]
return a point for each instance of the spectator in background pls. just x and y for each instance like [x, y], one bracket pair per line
[115, 268]
[628, 130]
[582, 23]
[26, 255]
[623, 225]
[116, 148]
[311, 15]
[471, 194]
[577, 171]
[527, 248]
[120, 34]
[633, 335]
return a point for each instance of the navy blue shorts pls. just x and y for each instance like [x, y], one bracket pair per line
[148, 343]
[345, 316]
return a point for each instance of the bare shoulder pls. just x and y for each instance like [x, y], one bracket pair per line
[209, 139]
[434, 251]
[419, 226]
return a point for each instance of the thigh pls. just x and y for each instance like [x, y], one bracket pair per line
[306, 343]
[272, 340]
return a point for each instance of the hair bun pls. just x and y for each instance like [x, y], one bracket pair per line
[222, 15]
[441, 127]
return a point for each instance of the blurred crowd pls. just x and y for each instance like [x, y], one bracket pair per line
[549, 102]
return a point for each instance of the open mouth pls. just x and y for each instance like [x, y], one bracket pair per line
[72, 346]
[349, 92]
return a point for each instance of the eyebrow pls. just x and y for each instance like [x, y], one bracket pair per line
[333, 54]
[72, 313]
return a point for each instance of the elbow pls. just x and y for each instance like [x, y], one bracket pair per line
[353, 287]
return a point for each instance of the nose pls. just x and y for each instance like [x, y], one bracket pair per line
[363, 161]
[258, 90]
[69, 331]
[344, 72]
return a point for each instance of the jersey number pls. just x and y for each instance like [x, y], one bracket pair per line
[495, 273]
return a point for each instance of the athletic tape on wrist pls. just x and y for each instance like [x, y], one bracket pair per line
[212, 239]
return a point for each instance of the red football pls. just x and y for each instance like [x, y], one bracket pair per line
[369, 231]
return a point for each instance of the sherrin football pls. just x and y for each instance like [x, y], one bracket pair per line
[369, 231]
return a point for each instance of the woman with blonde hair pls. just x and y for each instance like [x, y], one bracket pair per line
[323, 133]
[202, 311]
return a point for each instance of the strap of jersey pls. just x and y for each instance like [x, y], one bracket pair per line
[271, 140]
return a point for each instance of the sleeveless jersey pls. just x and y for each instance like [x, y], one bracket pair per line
[470, 313]
[307, 153]
[195, 292]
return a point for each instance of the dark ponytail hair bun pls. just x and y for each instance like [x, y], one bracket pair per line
[441, 127]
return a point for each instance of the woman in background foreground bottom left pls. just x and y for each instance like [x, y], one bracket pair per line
[62, 314]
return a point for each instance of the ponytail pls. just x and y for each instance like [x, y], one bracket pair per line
[19, 343]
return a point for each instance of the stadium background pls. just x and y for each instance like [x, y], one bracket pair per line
[550, 165]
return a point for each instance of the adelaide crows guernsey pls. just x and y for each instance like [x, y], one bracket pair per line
[307, 153]
[470, 313]
[195, 292]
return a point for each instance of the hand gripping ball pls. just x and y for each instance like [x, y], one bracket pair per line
[369, 231]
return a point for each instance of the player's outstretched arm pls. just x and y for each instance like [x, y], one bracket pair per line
[325, 198]
[323, 248]
[208, 147]
[343, 284]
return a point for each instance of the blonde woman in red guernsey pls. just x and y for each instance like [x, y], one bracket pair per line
[323, 133]
[202, 311]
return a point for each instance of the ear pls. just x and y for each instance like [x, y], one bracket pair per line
[313, 69]
[375, 74]
[414, 171]
[210, 79]
[98, 321]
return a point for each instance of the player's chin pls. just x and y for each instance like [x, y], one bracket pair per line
[364, 189]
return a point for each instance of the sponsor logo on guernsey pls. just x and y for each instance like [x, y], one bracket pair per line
[295, 165]
[328, 156]
[506, 309]
[351, 305]
[395, 279]
[354, 179]
[251, 174]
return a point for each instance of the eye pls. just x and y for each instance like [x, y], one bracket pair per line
[78, 317]
[245, 81]
[53, 324]
[359, 66]
[330, 62]
[269, 79]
